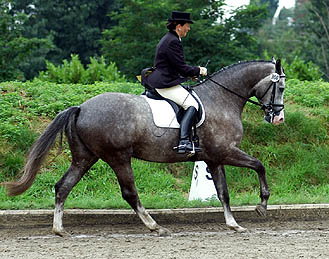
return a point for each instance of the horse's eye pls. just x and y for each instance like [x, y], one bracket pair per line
[281, 89]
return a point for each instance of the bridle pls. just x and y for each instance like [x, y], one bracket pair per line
[270, 112]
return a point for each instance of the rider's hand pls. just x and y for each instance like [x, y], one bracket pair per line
[203, 71]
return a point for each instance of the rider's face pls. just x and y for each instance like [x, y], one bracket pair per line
[182, 30]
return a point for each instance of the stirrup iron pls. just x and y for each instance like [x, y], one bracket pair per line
[185, 149]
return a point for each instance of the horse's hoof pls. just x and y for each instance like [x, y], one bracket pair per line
[238, 229]
[163, 232]
[261, 210]
[61, 233]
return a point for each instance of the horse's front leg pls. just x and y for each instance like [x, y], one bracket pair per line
[219, 178]
[241, 159]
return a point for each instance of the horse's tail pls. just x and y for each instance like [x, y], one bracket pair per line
[39, 151]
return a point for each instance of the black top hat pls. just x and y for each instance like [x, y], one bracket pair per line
[180, 17]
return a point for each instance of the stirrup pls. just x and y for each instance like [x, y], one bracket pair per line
[188, 148]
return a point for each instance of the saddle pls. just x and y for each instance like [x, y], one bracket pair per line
[166, 113]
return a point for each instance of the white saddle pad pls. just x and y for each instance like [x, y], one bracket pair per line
[164, 115]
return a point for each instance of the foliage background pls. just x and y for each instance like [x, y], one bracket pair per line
[34, 31]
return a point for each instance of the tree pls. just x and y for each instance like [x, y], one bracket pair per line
[272, 6]
[280, 39]
[75, 27]
[318, 27]
[242, 29]
[131, 43]
[311, 27]
[14, 47]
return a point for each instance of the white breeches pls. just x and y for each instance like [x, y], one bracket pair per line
[179, 95]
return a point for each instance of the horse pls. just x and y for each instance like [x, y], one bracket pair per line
[117, 127]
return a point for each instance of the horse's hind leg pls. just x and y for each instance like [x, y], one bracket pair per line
[122, 168]
[219, 178]
[79, 166]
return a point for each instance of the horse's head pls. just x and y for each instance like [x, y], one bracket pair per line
[269, 93]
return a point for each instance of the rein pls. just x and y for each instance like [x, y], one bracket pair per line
[268, 108]
[274, 79]
[229, 90]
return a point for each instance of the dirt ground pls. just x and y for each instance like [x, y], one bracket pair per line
[293, 239]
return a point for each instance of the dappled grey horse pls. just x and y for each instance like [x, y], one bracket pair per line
[116, 127]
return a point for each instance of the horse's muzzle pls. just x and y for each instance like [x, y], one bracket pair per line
[278, 118]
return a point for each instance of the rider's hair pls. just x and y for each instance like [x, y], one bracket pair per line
[171, 26]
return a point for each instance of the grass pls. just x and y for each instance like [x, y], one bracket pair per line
[295, 153]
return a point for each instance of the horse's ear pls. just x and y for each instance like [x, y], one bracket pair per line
[278, 67]
[273, 60]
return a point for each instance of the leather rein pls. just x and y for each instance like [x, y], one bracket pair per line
[275, 78]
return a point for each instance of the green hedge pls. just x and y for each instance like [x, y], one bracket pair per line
[73, 72]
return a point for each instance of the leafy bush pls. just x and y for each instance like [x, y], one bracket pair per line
[73, 72]
[299, 69]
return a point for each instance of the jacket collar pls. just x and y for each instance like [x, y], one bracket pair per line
[175, 33]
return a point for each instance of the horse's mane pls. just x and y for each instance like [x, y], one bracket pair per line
[235, 65]
[240, 63]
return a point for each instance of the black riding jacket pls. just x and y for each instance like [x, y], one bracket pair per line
[169, 63]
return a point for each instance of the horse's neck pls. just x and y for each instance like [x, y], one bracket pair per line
[238, 79]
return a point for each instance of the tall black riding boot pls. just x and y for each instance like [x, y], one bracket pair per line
[185, 144]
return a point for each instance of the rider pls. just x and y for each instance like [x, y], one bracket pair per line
[171, 70]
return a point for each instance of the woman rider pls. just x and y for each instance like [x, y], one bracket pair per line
[171, 70]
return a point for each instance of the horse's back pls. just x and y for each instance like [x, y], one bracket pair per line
[111, 119]
[111, 102]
